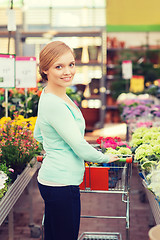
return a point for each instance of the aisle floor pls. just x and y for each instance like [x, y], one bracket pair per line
[92, 204]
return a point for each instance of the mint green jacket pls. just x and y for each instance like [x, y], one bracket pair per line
[61, 127]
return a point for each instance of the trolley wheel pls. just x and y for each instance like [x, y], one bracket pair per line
[35, 231]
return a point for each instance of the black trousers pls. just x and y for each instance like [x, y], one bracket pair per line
[62, 212]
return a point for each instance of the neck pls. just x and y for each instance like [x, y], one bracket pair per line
[59, 91]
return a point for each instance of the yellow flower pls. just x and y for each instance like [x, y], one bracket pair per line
[19, 117]
[19, 121]
[4, 119]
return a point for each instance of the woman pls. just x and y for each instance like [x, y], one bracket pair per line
[60, 127]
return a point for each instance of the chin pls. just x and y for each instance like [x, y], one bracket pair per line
[68, 83]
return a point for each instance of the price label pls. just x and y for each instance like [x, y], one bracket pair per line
[137, 84]
[26, 72]
[7, 71]
[127, 69]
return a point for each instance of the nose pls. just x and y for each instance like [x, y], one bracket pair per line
[66, 70]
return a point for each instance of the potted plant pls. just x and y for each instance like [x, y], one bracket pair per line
[17, 145]
[145, 145]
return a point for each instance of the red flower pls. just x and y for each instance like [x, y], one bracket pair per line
[117, 139]
[2, 90]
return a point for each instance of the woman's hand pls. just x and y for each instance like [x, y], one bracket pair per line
[113, 158]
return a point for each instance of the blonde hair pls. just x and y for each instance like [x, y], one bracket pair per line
[50, 54]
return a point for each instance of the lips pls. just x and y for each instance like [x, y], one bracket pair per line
[67, 79]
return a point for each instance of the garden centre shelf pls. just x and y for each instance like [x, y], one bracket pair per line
[99, 32]
[154, 204]
[14, 192]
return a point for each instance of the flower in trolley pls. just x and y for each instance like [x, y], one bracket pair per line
[111, 142]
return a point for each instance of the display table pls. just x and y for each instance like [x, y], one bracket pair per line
[155, 207]
[14, 192]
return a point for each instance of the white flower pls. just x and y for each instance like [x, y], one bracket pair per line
[111, 151]
[143, 151]
[154, 179]
[3, 178]
[124, 151]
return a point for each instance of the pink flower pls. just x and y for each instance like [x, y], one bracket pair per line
[110, 144]
[120, 144]
[144, 124]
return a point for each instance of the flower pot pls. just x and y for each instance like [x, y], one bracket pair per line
[78, 53]
[93, 52]
[91, 116]
[110, 101]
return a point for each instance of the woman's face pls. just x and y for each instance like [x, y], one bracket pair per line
[61, 73]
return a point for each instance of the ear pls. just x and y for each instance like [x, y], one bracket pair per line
[45, 72]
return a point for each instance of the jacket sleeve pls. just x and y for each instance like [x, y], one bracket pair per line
[62, 120]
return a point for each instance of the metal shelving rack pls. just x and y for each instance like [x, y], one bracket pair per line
[12, 195]
[20, 35]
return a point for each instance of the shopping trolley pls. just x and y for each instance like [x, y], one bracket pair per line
[109, 178]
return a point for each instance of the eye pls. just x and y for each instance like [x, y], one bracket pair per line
[72, 64]
[58, 67]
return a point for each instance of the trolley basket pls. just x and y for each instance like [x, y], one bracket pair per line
[100, 236]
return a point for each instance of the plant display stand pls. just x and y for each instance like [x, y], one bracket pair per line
[154, 204]
[12, 195]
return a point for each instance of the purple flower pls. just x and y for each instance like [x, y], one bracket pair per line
[157, 114]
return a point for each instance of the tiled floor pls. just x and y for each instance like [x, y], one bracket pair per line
[92, 204]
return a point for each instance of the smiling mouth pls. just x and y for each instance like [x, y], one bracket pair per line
[67, 79]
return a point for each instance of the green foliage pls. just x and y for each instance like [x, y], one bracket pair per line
[118, 87]
[74, 95]
[145, 63]
[3, 190]
[152, 90]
